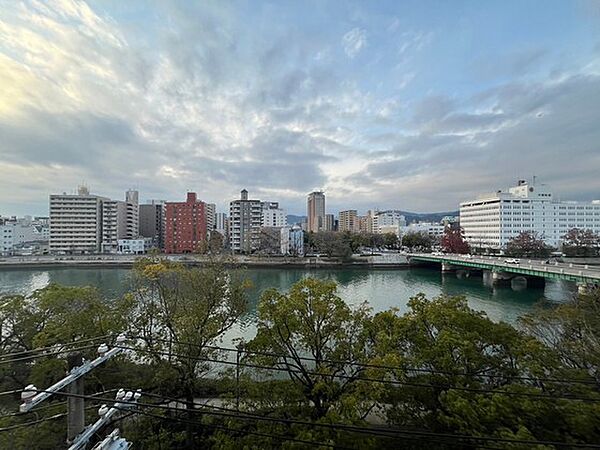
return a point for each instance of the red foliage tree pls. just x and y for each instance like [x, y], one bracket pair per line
[453, 241]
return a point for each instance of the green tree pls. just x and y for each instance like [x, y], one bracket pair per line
[312, 321]
[390, 240]
[445, 353]
[417, 240]
[527, 244]
[180, 316]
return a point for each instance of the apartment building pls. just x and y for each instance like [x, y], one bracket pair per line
[493, 219]
[76, 222]
[185, 228]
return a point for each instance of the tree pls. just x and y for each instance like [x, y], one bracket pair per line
[527, 244]
[180, 316]
[580, 242]
[453, 241]
[311, 320]
[390, 240]
[447, 355]
[215, 242]
[417, 240]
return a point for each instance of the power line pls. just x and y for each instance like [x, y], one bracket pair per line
[254, 433]
[43, 355]
[375, 366]
[374, 380]
[50, 347]
[33, 422]
[340, 426]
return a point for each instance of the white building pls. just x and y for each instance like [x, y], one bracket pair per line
[493, 219]
[273, 215]
[435, 230]
[222, 224]
[76, 222]
[245, 219]
[85, 223]
[210, 209]
[23, 232]
[134, 246]
[382, 220]
[120, 220]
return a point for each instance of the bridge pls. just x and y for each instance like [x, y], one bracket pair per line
[501, 271]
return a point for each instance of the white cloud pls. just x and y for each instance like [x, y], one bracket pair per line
[354, 41]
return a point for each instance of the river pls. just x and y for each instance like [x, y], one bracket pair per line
[382, 289]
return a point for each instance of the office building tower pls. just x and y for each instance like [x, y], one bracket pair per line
[316, 211]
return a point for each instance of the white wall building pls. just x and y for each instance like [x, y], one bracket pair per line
[210, 209]
[133, 246]
[493, 219]
[435, 230]
[273, 215]
[76, 222]
[15, 233]
[382, 220]
[245, 219]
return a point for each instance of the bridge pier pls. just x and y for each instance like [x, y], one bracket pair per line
[501, 278]
[448, 267]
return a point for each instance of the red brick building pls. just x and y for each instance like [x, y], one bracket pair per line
[185, 225]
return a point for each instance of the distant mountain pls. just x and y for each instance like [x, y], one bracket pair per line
[412, 217]
[292, 219]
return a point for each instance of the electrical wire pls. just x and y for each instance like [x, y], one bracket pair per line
[50, 347]
[373, 380]
[42, 355]
[376, 366]
[338, 426]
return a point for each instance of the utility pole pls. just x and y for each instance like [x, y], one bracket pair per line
[75, 405]
[73, 383]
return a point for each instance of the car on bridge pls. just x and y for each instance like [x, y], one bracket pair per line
[512, 261]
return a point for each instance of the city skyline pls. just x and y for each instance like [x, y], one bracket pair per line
[388, 104]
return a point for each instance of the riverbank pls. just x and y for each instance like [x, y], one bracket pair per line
[390, 260]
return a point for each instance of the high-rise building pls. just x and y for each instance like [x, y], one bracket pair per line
[152, 222]
[383, 220]
[365, 224]
[132, 224]
[330, 222]
[222, 224]
[185, 228]
[120, 220]
[273, 215]
[493, 219]
[211, 210]
[348, 221]
[316, 211]
[76, 222]
[245, 220]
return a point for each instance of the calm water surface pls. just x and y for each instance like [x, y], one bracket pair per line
[381, 288]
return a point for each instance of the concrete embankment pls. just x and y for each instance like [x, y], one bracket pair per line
[391, 260]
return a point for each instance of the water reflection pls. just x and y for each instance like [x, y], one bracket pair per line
[381, 288]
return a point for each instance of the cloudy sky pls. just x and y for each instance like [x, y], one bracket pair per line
[415, 105]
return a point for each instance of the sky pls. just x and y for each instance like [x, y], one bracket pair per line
[416, 105]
